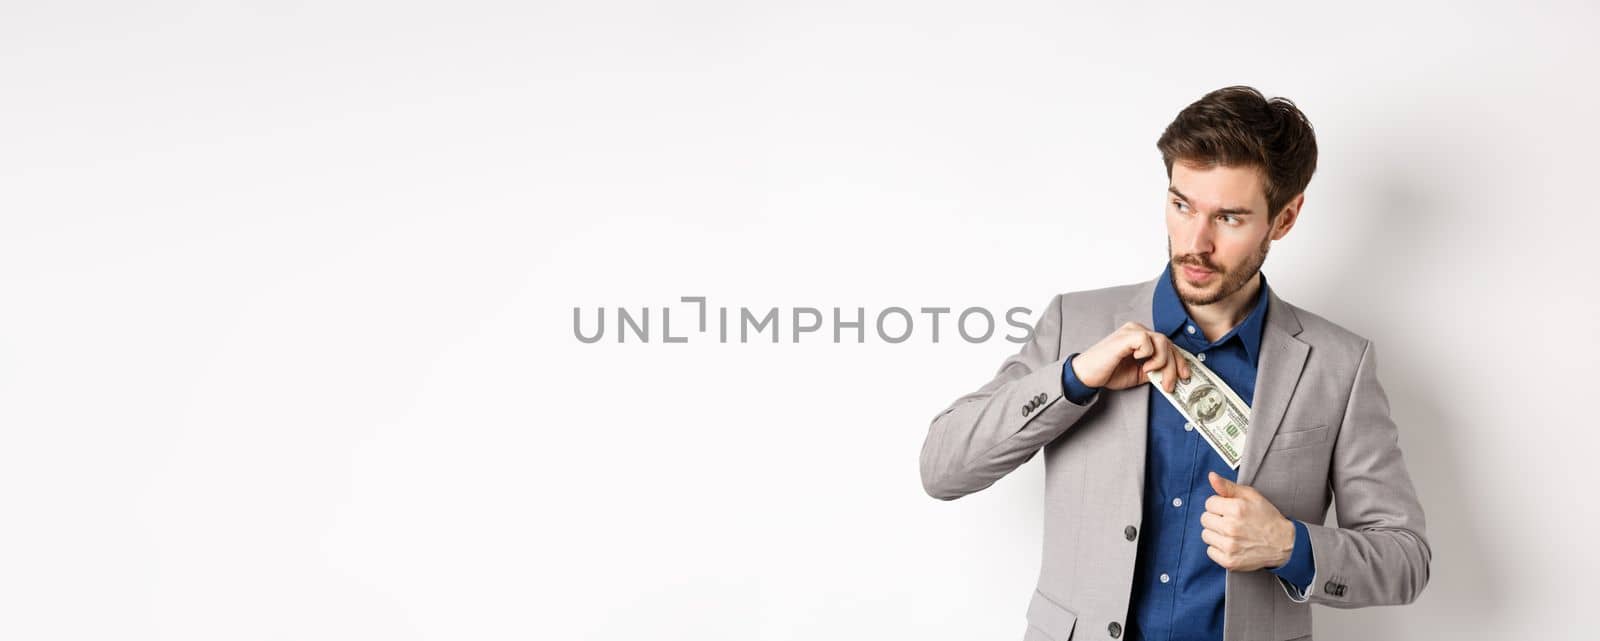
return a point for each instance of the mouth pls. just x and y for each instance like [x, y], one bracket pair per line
[1196, 274]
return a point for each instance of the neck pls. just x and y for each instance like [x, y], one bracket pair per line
[1219, 318]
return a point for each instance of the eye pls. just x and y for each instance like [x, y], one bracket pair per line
[1182, 206]
[1230, 218]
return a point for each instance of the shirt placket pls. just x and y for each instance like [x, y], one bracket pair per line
[1182, 496]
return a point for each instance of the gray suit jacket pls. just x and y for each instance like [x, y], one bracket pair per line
[1320, 428]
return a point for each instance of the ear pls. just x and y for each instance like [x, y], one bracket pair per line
[1286, 217]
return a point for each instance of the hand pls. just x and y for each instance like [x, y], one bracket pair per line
[1243, 530]
[1125, 358]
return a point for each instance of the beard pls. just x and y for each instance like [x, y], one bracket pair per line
[1229, 280]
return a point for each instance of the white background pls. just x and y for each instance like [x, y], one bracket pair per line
[286, 346]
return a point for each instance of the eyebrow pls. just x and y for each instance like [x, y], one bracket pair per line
[1236, 211]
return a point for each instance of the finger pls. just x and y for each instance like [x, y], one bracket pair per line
[1158, 360]
[1158, 343]
[1174, 369]
[1217, 539]
[1184, 363]
[1222, 485]
[1211, 521]
[1140, 346]
[1222, 506]
[1218, 557]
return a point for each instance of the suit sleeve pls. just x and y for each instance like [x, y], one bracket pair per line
[1379, 554]
[987, 433]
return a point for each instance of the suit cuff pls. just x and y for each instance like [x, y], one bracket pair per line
[1076, 392]
[1298, 572]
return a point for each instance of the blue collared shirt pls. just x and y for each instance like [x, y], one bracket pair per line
[1177, 589]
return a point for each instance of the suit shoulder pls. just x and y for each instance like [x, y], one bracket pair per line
[1099, 298]
[1336, 344]
[1321, 330]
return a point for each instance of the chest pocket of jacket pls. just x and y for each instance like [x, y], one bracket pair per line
[1290, 438]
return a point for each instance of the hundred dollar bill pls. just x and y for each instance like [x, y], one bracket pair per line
[1218, 414]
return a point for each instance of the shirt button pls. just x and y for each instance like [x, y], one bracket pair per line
[1201, 357]
[1177, 502]
[1188, 427]
[1191, 329]
[1165, 578]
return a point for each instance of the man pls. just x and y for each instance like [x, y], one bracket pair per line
[1149, 533]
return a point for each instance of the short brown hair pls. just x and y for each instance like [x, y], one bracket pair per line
[1238, 127]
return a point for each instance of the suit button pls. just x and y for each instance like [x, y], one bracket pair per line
[1115, 629]
[1130, 532]
[1331, 588]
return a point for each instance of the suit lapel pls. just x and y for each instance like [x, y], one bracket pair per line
[1282, 359]
[1136, 413]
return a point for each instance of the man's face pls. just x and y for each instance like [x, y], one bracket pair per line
[1217, 230]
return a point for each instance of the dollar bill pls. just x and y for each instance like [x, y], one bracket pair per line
[1217, 413]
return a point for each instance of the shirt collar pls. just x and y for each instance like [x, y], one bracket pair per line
[1169, 315]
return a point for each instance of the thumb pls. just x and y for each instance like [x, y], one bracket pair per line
[1224, 487]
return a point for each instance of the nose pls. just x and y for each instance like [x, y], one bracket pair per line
[1199, 237]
